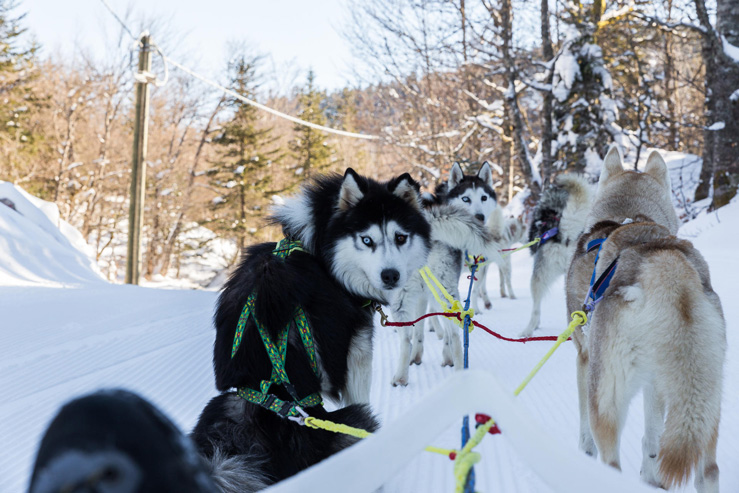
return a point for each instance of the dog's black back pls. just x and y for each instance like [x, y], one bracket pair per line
[547, 213]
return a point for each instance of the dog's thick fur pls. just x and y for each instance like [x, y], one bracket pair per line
[659, 327]
[362, 241]
[504, 232]
[463, 203]
[564, 204]
[113, 440]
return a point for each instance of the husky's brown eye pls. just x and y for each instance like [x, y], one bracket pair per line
[400, 239]
[484, 198]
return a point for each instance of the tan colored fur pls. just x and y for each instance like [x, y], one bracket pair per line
[659, 327]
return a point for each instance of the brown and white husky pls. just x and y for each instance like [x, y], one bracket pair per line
[659, 327]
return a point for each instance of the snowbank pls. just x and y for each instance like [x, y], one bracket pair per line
[37, 246]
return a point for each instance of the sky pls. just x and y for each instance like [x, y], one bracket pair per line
[292, 33]
[66, 332]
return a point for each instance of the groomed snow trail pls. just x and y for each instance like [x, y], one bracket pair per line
[57, 343]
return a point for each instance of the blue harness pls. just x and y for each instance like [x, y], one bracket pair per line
[599, 286]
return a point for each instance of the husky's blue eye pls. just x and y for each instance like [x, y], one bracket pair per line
[466, 199]
[484, 198]
[367, 241]
[400, 239]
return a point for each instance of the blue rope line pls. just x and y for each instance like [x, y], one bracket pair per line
[469, 486]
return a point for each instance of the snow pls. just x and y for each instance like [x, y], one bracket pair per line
[730, 50]
[566, 71]
[717, 126]
[65, 333]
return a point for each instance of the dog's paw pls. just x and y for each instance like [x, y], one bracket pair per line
[402, 381]
[488, 306]
[587, 445]
[526, 333]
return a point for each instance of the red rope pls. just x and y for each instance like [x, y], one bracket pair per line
[523, 340]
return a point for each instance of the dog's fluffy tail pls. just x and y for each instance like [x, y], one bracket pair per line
[237, 474]
[690, 358]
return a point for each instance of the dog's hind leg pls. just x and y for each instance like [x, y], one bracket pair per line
[504, 270]
[654, 424]
[435, 323]
[480, 290]
[452, 354]
[545, 272]
[586, 442]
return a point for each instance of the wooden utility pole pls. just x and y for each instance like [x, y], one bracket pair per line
[138, 165]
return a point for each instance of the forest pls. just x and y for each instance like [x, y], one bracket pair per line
[534, 88]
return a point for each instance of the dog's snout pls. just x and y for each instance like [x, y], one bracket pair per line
[480, 217]
[390, 277]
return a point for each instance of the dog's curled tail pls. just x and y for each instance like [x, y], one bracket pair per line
[692, 353]
[237, 474]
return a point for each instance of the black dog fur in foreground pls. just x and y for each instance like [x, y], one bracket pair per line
[114, 441]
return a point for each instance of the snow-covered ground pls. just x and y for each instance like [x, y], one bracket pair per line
[65, 332]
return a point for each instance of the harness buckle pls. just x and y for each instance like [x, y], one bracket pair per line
[383, 317]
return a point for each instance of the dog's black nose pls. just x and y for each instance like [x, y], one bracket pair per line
[480, 217]
[390, 277]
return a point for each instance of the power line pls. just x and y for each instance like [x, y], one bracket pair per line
[235, 94]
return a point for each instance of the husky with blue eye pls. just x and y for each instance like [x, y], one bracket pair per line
[457, 212]
[294, 325]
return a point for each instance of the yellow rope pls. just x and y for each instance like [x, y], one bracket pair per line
[531, 243]
[452, 305]
[322, 424]
[466, 458]
[578, 318]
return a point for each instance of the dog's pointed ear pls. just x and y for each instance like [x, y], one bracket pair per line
[657, 168]
[350, 192]
[486, 174]
[455, 175]
[611, 164]
[407, 189]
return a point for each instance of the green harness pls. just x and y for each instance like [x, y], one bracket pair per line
[277, 352]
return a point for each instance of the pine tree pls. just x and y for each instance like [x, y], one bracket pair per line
[242, 174]
[312, 152]
[17, 69]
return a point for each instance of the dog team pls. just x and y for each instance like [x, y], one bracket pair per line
[294, 327]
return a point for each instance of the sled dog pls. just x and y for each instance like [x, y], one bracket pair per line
[294, 324]
[460, 208]
[504, 232]
[114, 440]
[564, 205]
[658, 326]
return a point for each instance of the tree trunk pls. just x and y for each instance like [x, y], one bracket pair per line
[547, 133]
[708, 50]
[721, 117]
[514, 111]
[726, 139]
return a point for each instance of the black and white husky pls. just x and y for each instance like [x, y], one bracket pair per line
[457, 212]
[361, 242]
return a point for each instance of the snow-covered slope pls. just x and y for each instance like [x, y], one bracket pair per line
[37, 246]
[59, 342]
